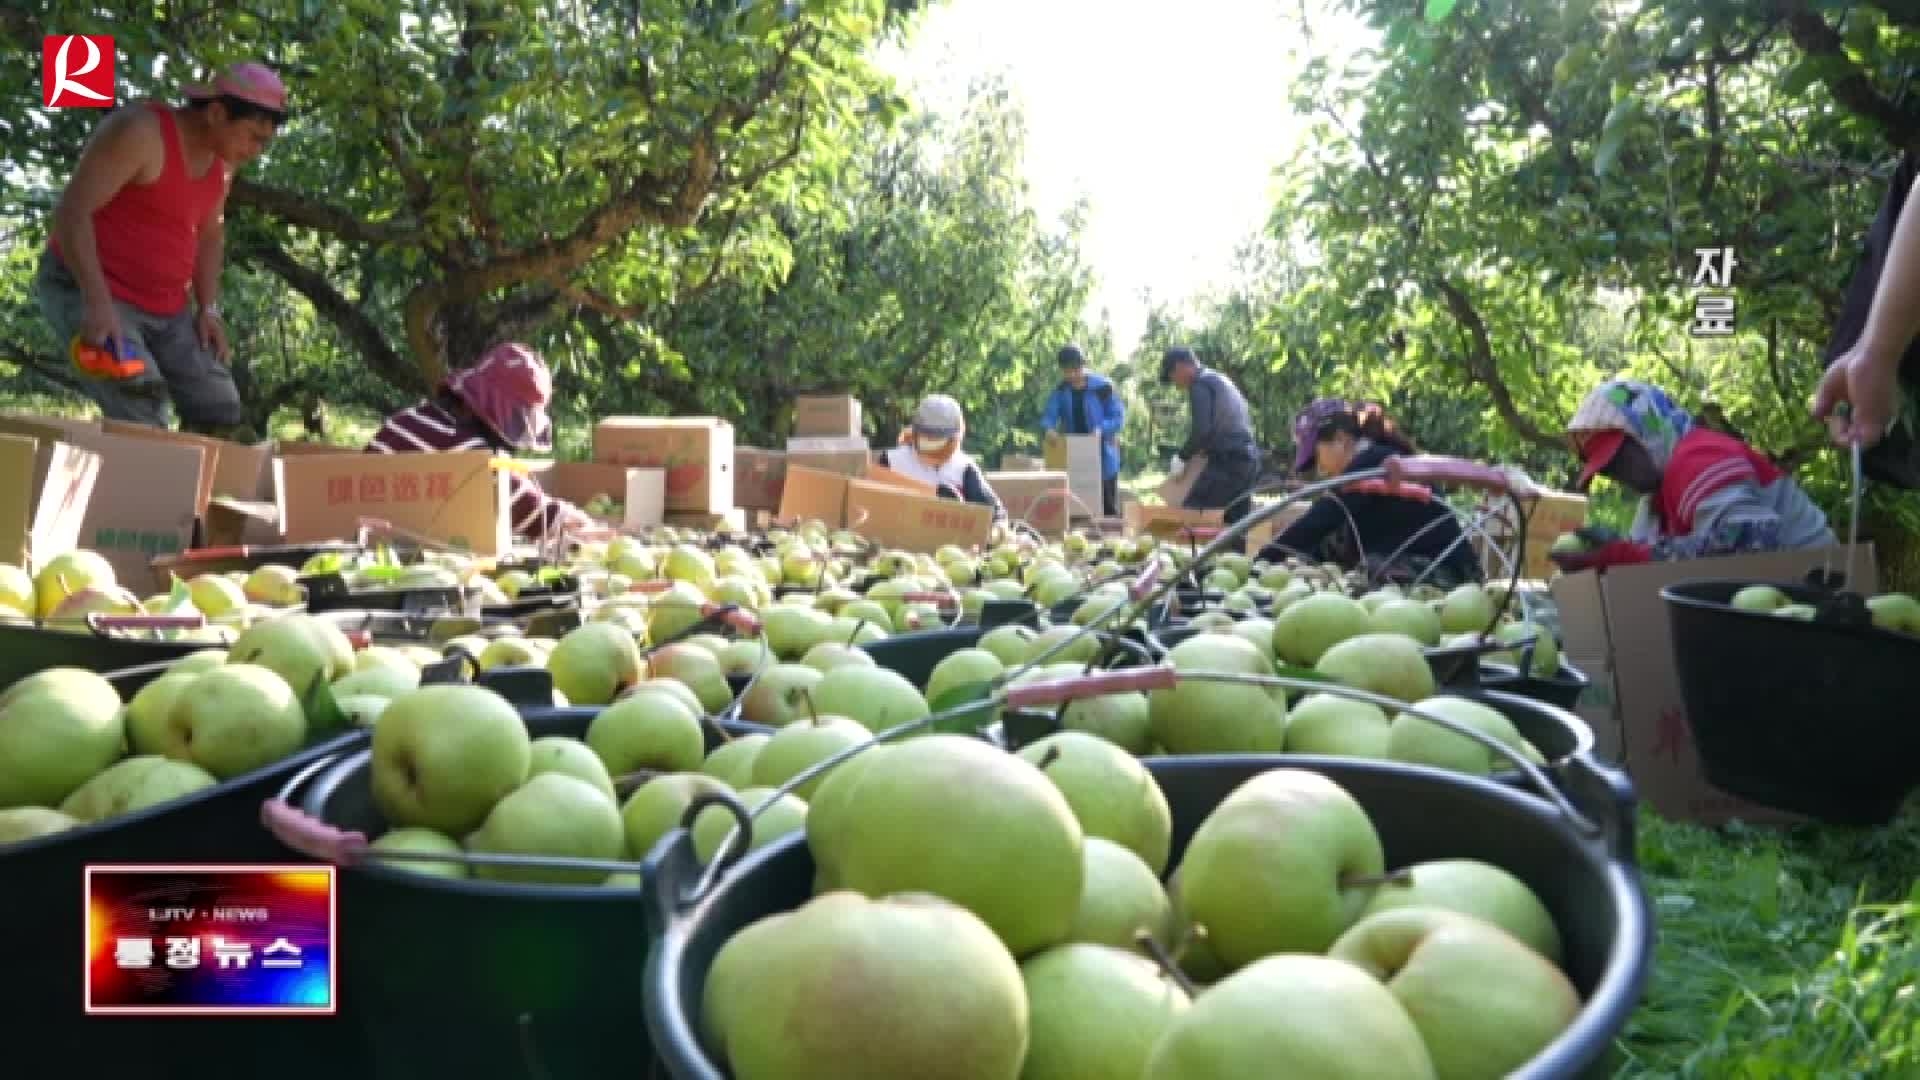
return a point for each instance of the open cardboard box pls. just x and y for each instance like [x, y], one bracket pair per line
[457, 499]
[46, 485]
[898, 518]
[1038, 498]
[1616, 630]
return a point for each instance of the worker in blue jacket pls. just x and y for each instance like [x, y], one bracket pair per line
[1086, 404]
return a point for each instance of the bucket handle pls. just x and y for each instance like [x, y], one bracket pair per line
[101, 623]
[677, 880]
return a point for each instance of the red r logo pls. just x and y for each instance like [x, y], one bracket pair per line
[76, 71]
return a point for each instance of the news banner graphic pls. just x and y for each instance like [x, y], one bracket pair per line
[76, 71]
[210, 940]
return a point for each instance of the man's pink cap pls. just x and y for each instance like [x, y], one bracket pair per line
[251, 82]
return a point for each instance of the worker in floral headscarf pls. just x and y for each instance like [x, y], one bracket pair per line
[497, 405]
[930, 452]
[1703, 492]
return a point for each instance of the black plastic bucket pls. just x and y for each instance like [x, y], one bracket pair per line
[1802, 716]
[474, 978]
[1588, 881]
[1563, 689]
[42, 894]
[26, 649]
[330, 592]
[915, 655]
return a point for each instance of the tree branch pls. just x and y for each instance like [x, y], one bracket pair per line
[1483, 367]
[296, 209]
[331, 304]
[1854, 89]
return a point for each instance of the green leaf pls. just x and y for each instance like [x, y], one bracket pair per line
[968, 721]
[325, 718]
[178, 596]
[1800, 77]
[1439, 9]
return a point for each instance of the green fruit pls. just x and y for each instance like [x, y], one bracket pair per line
[1112, 794]
[1008, 847]
[444, 754]
[732, 761]
[1325, 1018]
[656, 807]
[919, 988]
[422, 840]
[563, 754]
[648, 729]
[1308, 627]
[594, 662]
[1474, 888]
[1200, 717]
[132, 784]
[1390, 664]
[551, 814]
[1485, 1004]
[1422, 742]
[1274, 867]
[787, 814]
[1095, 1012]
[235, 718]
[1120, 899]
[58, 727]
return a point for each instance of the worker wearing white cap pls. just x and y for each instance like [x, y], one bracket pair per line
[929, 452]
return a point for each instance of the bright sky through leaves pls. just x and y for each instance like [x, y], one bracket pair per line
[1169, 117]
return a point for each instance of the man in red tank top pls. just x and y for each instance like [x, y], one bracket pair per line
[140, 225]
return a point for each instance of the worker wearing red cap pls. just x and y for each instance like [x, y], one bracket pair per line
[141, 224]
[1703, 492]
[499, 405]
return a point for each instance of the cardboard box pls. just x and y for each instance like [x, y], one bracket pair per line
[1174, 489]
[238, 475]
[1262, 534]
[696, 452]
[459, 500]
[901, 519]
[1079, 457]
[642, 493]
[836, 415]
[146, 500]
[1548, 516]
[1037, 497]
[880, 474]
[46, 486]
[734, 521]
[1167, 522]
[758, 476]
[847, 456]
[1616, 629]
[814, 494]
[1022, 463]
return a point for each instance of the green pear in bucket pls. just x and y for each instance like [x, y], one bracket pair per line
[733, 761]
[1095, 1012]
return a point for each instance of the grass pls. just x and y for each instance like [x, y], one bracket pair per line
[1782, 954]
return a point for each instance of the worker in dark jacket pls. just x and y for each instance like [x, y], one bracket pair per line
[498, 405]
[1333, 437]
[1221, 429]
[1085, 404]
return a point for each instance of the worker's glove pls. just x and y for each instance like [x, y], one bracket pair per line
[1175, 465]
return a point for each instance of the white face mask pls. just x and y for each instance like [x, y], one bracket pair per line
[931, 446]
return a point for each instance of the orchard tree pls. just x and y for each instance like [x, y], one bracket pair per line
[457, 173]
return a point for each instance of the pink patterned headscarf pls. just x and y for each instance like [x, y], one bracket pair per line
[509, 390]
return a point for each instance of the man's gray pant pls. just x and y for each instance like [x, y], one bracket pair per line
[183, 370]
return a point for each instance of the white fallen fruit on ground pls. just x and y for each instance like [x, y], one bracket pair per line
[890, 967]
[1095, 1012]
[1324, 1018]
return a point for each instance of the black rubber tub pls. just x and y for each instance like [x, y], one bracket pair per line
[479, 979]
[42, 892]
[26, 648]
[1801, 716]
[330, 592]
[226, 560]
[1588, 880]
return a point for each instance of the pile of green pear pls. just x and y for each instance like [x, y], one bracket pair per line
[997, 916]
[73, 753]
[1895, 611]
